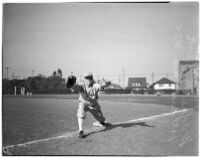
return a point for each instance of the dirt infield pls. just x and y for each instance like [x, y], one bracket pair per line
[50, 125]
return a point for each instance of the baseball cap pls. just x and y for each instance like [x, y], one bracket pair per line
[88, 75]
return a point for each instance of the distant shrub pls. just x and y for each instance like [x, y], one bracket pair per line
[150, 91]
[139, 91]
[183, 92]
[158, 93]
[166, 91]
[116, 91]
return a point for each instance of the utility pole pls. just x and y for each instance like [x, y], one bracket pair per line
[167, 76]
[7, 68]
[13, 75]
[152, 77]
[123, 76]
[119, 81]
[32, 72]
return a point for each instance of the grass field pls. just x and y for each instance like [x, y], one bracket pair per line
[142, 125]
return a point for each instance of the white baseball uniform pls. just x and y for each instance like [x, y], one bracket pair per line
[88, 101]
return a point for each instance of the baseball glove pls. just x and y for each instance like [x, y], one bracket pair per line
[71, 80]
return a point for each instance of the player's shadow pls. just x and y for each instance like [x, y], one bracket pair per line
[122, 125]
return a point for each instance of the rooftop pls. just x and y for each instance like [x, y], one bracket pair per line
[164, 80]
[188, 62]
[137, 79]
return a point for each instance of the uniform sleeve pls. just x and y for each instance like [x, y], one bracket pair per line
[103, 84]
[97, 87]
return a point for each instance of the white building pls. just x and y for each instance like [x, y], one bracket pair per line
[164, 84]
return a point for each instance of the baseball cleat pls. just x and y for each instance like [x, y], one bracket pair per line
[97, 124]
[102, 124]
[80, 134]
[105, 124]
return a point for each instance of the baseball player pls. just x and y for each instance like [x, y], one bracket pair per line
[88, 100]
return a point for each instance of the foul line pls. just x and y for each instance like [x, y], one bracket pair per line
[74, 133]
[155, 116]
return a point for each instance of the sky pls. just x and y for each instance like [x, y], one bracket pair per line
[102, 38]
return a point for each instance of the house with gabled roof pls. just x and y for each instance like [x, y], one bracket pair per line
[137, 83]
[164, 84]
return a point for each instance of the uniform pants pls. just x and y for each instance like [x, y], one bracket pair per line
[95, 110]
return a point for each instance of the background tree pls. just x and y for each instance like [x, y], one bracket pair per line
[59, 72]
[54, 73]
[39, 84]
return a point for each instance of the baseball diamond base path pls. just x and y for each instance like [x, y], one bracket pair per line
[138, 129]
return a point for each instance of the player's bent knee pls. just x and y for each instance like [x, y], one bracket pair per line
[81, 114]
